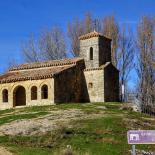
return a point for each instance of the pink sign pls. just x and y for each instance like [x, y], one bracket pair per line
[141, 136]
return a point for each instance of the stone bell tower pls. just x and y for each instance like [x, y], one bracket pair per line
[95, 49]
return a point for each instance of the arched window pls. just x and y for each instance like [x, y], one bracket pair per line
[44, 92]
[5, 95]
[33, 93]
[91, 53]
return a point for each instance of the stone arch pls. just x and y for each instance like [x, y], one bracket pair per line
[19, 96]
[45, 83]
[1, 92]
[31, 85]
[5, 95]
[16, 85]
[34, 94]
[44, 92]
[91, 53]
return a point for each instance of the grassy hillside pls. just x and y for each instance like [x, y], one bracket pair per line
[90, 129]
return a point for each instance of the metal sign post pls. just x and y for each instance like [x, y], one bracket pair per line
[133, 150]
[140, 137]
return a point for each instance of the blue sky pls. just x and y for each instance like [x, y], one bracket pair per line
[19, 18]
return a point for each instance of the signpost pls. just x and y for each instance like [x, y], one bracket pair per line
[133, 149]
[140, 137]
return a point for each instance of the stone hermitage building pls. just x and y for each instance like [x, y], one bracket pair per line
[88, 78]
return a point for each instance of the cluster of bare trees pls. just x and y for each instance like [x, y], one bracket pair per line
[145, 60]
[51, 45]
[77, 28]
[108, 26]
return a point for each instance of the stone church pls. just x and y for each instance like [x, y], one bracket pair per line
[88, 78]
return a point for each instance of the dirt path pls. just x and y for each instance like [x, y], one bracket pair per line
[4, 151]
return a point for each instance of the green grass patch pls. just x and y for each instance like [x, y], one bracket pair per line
[10, 118]
[105, 135]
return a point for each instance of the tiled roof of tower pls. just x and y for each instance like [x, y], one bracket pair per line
[62, 62]
[36, 74]
[91, 35]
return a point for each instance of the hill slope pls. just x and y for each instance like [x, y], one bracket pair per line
[89, 129]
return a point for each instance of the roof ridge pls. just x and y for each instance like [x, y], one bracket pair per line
[60, 62]
[38, 74]
[91, 35]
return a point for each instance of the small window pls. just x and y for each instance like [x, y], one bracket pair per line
[5, 95]
[34, 93]
[91, 53]
[90, 85]
[44, 92]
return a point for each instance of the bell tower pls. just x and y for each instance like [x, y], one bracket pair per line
[95, 49]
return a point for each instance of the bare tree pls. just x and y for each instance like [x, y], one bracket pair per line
[30, 50]
[125, 57]
[75, 29]
[111, 30]
[52, 44]
[78, 28]
[146, 58]
[12, 63]
[49, 45]
[108, 27]
[88, 23]
[98, 25]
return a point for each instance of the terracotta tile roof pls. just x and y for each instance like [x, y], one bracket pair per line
[35, 74]
[98, 68]
[91, 35]
[62, 62]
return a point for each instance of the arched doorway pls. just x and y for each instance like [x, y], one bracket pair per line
[19, 96]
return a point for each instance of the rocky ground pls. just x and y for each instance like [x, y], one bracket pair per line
[43, 124]
[4, 151]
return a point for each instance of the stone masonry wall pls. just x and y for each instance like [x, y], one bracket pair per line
[111, 84]
[27, 85]
[95, 85]
[104, 51]
[85, 51]
[68, 85]
[101, 51]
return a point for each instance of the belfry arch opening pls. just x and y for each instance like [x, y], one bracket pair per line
[19, 96]
[91, 53]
